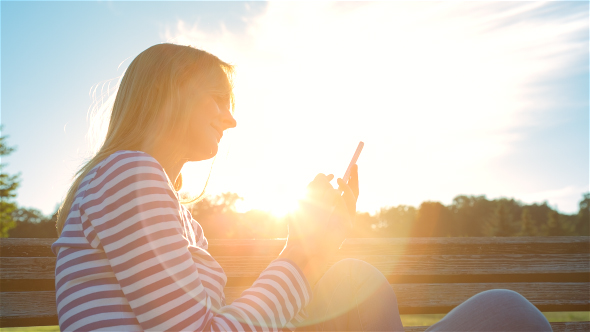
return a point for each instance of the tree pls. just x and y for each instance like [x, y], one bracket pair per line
[528, 227]
[470, 214]
[432, 219]
[539, 214]
[502, 221]
[8, 186]
[32, 223]
[363, 225]
[392, 222]
[553, 226]
[583, 218]
[217, 216]
[211, 205]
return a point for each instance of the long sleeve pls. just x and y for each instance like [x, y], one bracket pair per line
[130, 212]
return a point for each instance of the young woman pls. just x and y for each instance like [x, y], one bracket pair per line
[130, 257]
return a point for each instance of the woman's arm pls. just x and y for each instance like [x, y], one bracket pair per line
[320, 226]
[131, 212]
[312, 266]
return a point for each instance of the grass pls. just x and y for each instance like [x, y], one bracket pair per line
[407, 320]
[421, 320]
[54, 328]
[568, 316]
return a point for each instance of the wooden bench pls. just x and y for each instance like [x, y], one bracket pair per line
[429, 275]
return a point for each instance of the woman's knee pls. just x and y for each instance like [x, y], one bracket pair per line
[513, 307]
[345, 266]
[358, 270]
[360, 275]
[502, 296]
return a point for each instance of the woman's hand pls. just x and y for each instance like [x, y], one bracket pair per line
[324, 219]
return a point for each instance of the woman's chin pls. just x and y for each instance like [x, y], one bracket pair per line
[205, 154]
[214, 150]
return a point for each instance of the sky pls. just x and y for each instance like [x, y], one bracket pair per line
[450, 98]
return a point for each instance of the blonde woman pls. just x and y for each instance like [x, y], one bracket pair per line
[130, 257]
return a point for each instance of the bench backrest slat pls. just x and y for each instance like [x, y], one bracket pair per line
[429, 275]
[15, 247]
[572, 267]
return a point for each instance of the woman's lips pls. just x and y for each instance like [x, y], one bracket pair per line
[219, 132]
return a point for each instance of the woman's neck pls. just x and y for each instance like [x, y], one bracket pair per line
[171, 167]
[171, 164]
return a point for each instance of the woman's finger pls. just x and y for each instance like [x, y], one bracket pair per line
[348, 197]
[323, 177]
[353, 181]
[320, 191]
[321, 182]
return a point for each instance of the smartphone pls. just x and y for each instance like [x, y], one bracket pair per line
[355, 157]
[346, 176]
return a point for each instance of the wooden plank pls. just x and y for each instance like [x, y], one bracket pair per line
[27, 285]
[571, 327]
[420, 246]
[467, 246]
[442, 298]
[450, 295]
[398, 268]
[479, 264]
[15, 247]
[392, 266]
[28, 309]
[27, 268]
[38, 308]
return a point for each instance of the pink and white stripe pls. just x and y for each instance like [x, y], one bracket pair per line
[131, 258]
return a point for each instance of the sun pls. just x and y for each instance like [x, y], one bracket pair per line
[281, 208]
[277, 203]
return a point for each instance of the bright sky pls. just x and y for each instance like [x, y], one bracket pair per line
[476, 98]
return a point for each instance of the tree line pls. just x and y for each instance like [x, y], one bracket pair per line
[470, 216]
[466, 216]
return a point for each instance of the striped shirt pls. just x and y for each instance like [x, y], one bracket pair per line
[131, 258]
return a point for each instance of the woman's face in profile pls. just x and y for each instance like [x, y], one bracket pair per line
[209, 118]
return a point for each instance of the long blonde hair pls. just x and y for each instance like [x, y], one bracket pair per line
[145, 102]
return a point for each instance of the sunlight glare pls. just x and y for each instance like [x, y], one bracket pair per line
[422, 84]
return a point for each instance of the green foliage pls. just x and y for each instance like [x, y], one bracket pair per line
[6, 222]
[219, 219]
[528, 226]
[432, 219]
[388, 222]
[582, 226]
[466, 216]
[8, 186]
[553, 227]
[31, 223]
[472, 216]
[470, 213]
[501, 222]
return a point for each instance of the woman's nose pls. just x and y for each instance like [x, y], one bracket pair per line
[229, 121]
